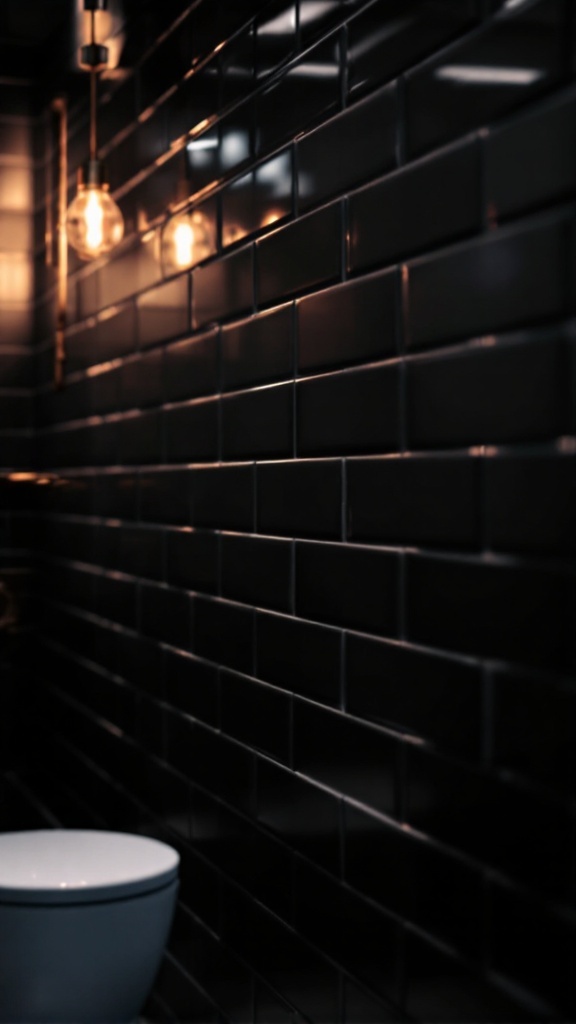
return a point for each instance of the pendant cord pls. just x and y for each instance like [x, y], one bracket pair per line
[93, 91]
[93, 105]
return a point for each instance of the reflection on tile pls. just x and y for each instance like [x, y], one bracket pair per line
[309, 90]
[258, 349]
[476, 81]
[222, 287]
[258, 199]
[275, 36]
[352, 147]
[390, 36]
[163, 312]
[420, 206]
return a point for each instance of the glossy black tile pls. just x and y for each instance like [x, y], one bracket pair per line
[364, 1008]
[118, 110]
[258, 349]
[299, 656]
[233, 776]
[349, 323]
[191, 367]
[193, 103]
[139, 380]
[199, 885]
[516, 613]
[257, 715]
[269, 1008]
[275, 31]
[165, 614]
[257, 571]
[531, 503]
[192, 431]
[191, 686]
[223, 633]
[300, 498]
[480, 79]
[348, 413]
[192, 559]
[250, 857]
[244, 416]
[165, 496]
[535, 946]
[140, 551]
[150, 197]
[416, 691]
[237, 61]
[201, 160]
[348, 586]
[258, 199]
[309, 91]
[501, 824]
[511, 279]
[181, 996]
[385, 40]
[354, 759]
[222, 288]
[235, 142]
[368, 948]
[541, 143]
[140, 148]
[299, 256]
[433, 201]
[490, 394]
[356, 145]
[442, 986]
[415, 501]
[224, 497]
[421, 882]
[302, 815]
[294, 968]
[130, 272]
[163, 312]
[140, 438]
[15, 369]
[534, 728]
[113, 335]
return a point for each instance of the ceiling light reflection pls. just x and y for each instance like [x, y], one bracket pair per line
[469, 74]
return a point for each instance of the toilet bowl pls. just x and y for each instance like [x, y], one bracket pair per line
[84, 919]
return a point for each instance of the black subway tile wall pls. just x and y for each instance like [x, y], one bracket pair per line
[17, 735]
[306, 591]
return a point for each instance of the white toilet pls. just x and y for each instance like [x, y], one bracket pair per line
[84, 919]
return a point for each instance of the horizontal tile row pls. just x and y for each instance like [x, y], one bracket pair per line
[515, 502]
[509, 391]
[408, 687]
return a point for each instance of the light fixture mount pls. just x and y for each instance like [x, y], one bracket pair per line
[94, 221]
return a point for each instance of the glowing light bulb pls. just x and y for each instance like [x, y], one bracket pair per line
[94, 222]
[94, 216]
[183, 244]
[187, 239]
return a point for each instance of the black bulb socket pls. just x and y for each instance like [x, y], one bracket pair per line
[95, 5]
[94, 55]
[92, 173]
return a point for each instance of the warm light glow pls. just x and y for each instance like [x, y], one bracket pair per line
[186, 240]
[16, 280]
[94, 221]
[183, 244]
[94, 215]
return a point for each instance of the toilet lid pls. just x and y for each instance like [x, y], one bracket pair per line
[73, 866]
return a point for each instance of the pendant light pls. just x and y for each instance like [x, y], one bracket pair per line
[94, 221]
